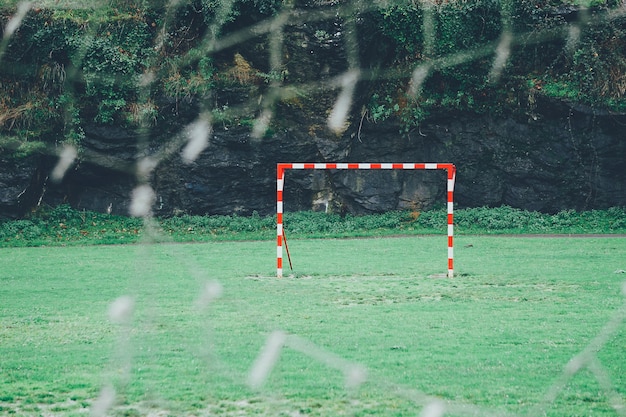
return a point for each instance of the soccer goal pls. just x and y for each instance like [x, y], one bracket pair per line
[280, 183]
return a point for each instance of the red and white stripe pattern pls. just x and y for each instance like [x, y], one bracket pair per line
[280, 182]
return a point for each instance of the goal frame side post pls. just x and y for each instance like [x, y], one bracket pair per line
[281, 168]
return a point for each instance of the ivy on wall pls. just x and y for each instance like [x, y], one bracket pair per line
[114, 64]
[574, 50]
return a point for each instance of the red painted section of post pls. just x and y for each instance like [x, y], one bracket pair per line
[450, 186]
[280, 182]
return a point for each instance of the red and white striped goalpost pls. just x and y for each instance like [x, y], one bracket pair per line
[280, 183]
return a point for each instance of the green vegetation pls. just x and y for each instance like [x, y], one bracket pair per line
[73, 63]
[66, 226]
[578, 61]
[499, 338]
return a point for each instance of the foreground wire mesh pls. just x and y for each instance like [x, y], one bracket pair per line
[191, 140]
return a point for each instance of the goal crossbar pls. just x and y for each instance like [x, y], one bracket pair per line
[281, 168]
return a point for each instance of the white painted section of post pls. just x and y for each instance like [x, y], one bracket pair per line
[450, 186]
[280, 182]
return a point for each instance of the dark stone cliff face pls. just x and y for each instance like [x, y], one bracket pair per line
[565, 159]
[560, 157]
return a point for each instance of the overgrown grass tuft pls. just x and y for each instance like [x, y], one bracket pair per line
[66, 226]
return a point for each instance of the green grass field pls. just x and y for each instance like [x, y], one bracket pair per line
[529, 326]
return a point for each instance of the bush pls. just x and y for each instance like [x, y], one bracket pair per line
[64, 225]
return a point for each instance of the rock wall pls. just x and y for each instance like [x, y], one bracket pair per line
[552, 157]
[560, 158]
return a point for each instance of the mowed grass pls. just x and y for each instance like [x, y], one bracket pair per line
[529, 326]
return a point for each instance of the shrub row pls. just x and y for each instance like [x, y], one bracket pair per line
[66, 226]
